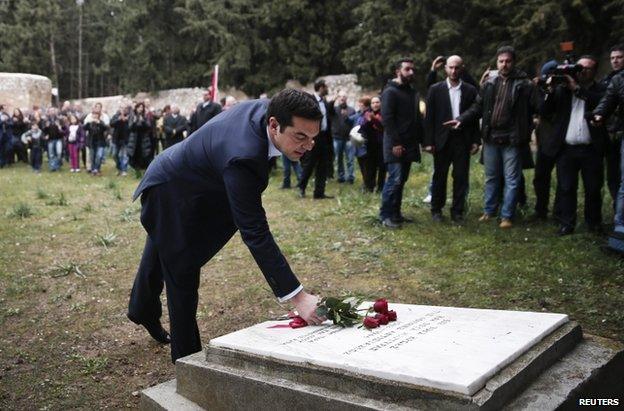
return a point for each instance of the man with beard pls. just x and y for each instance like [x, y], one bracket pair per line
[506, 104]
[403, 130]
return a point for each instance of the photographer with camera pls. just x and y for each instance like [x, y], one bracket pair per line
[578, 145]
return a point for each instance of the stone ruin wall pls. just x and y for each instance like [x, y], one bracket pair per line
[20, 90]
[26, 90]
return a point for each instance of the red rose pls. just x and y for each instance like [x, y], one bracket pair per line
[370, 322]
[382, 318]
[392, 315]
[381, 306]
[297, 322]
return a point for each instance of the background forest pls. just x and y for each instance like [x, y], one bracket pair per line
[130, 45]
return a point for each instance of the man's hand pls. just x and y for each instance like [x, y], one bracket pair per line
[398, 151]
[597, 120]
[437, 63]
[474, 149]
[429, 149]
[452, 123]
[571, 83]
[306, 307]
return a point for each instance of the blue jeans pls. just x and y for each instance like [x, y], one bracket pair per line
[503, 168]
[97, 155]
[287, 166]
[342, 149]
[120, 153]
[619, 200]
[392, 193]
[55, 150]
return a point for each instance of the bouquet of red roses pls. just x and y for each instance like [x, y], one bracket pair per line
[347, 311]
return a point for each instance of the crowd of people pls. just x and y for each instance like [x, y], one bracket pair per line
[132, 136]
[577, 122]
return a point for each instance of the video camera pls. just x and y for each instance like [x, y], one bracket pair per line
[569, 67]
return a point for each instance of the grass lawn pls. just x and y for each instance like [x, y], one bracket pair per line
[70, 245]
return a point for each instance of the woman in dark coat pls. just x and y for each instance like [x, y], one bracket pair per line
[20, 126]
[140, 147]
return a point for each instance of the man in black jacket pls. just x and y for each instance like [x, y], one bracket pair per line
[319, 159]
[446, 100]
[121, 131]
[205, 111]
[506, 103]
[607, 106]
[577, 145]
[174, 126]
[403, 131]
[615, 125]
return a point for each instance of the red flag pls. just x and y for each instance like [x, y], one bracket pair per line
[214, 83]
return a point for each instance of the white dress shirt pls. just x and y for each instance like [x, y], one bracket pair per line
[319, 100]
[455, 95]
[578, 131]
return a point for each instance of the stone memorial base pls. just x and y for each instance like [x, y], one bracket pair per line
[433, 358]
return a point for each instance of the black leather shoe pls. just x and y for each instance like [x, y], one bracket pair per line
[565, 230]
[457, 218]
[436, 217]
[406, 220]
[388, 223]
[322, 197]
[154, 329]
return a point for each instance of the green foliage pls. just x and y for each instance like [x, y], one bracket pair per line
[21, 210]
[158, 44]
[106, 240]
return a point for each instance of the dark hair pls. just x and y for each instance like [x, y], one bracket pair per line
[365, 101]
[318, 84]
[136, 106]
[399, 63]
[506, 50]
[592, 58]
[617, 47]
[290, 102]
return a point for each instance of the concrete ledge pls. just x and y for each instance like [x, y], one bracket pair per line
[164, 397]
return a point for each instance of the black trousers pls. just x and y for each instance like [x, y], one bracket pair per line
[612, 157]
[318, 161]
[586, 160]
[544, 166]
[182, 298]
[373, 171]
[456, 152]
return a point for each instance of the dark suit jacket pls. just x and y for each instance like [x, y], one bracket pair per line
[197, 193]
[557, 107]
[202, 115]
[439, 111]
[174, 127]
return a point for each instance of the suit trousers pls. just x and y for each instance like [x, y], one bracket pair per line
[456, 153]
[586, 160]
[544, 166]
[612, 157]
[182, 298]
[317, 160]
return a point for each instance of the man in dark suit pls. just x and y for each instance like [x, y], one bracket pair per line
[446, 100]
[577, 145]
[174, 126]
[319, 159]
[205, 111]
[199, 192]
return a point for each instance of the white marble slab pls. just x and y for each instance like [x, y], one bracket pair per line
[453, 349]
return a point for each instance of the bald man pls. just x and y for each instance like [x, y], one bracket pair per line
[174, 126]
[446, 100]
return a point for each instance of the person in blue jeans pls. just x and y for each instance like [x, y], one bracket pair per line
[506, 103]
[403, 131]
[288, 165]
[343, 149]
